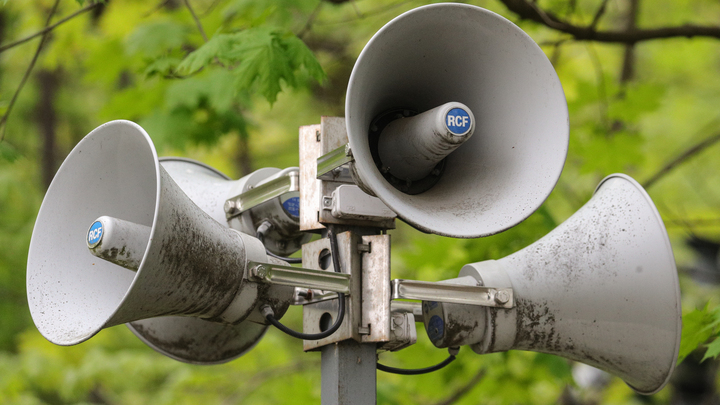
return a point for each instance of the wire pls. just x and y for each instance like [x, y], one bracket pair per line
[291, 260]
[416, 371]
[267, 311]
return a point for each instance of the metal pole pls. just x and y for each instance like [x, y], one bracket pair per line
[349, 375]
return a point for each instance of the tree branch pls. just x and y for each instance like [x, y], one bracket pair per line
[686, 155]
[48, 28]
[310, 20]
[376, 11]
[598, 14]
[530, 11]
[5, 116]
[460, 392]
[197, 20]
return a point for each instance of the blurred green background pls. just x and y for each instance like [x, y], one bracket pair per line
[231, 86]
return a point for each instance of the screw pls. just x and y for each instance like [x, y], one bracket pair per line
[230, 206]
[502, 297]
[260, 271]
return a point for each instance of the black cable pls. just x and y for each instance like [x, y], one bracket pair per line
[261, 235]
[341, 303]
[416, 371]
[291, 260]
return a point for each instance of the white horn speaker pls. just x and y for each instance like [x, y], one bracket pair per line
[209, 189]
[602, 289]
[462, 54]
[189, 269]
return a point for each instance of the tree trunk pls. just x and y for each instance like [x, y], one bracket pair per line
[244, 160]
[48, 83]
[628, 67]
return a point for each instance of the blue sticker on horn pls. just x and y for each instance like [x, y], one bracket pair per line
[458, 121]
[292, 206]
[435, 328]
[95, 234]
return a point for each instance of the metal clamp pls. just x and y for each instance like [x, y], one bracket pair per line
[329, 165]
[453, 293]
[300, 277]
[287, 183]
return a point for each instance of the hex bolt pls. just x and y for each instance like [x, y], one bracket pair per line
[260, 271]
[502, 297]
[230, 206]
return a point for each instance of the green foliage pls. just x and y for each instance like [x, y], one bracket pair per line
[157, 38]
[698, 326]
[149, 63]
[8, 152]
[263, 56]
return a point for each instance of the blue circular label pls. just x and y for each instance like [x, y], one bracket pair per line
[292, 206]
[458, 121]
[95, 234]
[435, 328]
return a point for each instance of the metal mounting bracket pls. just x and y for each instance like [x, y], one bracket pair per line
[332, 165]
[300, 277]
[287, 183]
[453, 293]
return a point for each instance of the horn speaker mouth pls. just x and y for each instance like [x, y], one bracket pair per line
[445, 53]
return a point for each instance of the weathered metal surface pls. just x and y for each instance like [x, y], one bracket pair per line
[402, 332]
[454, 325]
[315, 142]
[270, 200]
[196, 341]
[300, 277]
[514, 159]
[120, 242]
[210, 189]
[192, 266]
[349, 202]
[207, 187]
[409, 148]
[376, 291]
[315, 255]
[594, 289]
[349, 375]
[452, 293]
[411, 307]
[330, 165]
[310, 187]
[286, 183]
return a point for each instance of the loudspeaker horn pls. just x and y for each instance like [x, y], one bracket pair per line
[191, 271]
[458, 53]
[602, 289]
[209, 189]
